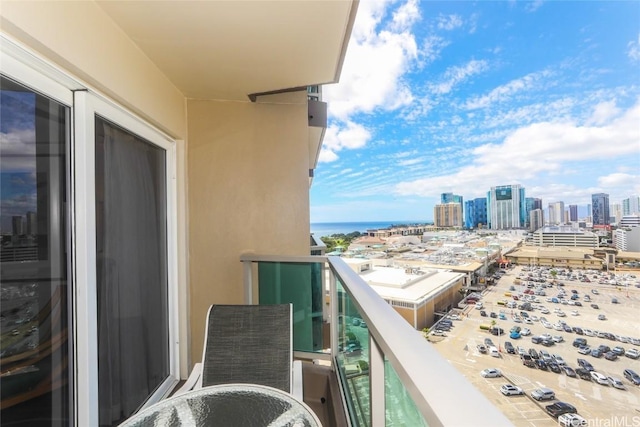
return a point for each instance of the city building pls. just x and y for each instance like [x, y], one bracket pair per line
[536, 219]
[631, 205]
[627, 239]
[565, 236]
[190, 132]
[417, 294]
[531, 203]
[573, 213]
[615, 211]
[452, 198]
[600, 209]
[556, 213]
[562, 257]
[447, 215]
[506, 207]
[475, 213]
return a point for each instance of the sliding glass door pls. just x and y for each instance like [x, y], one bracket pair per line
[131, 245]
[88, 315]
[35, 366]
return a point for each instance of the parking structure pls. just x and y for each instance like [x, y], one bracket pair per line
[597, 403]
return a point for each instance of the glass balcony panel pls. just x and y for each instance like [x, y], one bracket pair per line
[302, 285]
[400, 407]
[353, 358]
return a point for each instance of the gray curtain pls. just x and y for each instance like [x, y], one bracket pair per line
[131, 271]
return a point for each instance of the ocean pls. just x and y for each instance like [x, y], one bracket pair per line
[322, 229]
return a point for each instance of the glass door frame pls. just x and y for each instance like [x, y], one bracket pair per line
[87, 106]
[26, 67]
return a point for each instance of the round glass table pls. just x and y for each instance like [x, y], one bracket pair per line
[229, 405]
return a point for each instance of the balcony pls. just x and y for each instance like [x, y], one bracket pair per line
[377, 369]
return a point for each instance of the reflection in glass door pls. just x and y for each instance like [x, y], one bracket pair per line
[34, 328]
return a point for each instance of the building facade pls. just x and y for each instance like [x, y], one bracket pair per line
[573, 213]
[631, 205]
[600, 209]
[475, 213]
[536, 219]
[506, 207]
[447, 215]
[566, 236]
[556, 213]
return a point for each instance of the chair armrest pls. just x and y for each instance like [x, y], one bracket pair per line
[193, 382]
[297, 389]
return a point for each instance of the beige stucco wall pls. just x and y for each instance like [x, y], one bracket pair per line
[80, 38]
[248, 192]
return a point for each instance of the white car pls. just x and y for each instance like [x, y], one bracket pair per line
[571, 420]
[559, 360]
[557, 338]
[561, 314]
[511, 390]
[599, 378]
[545, 311]
[558, 327]
[534, 318]
[588, 332]
[491, 373]
[632, 353]
[575, 313]
[525, 331]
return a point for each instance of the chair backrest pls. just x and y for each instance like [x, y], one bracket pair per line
[249, 344]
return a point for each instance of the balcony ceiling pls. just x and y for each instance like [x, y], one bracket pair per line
[231, 49]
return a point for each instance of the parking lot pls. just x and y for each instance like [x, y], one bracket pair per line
[600, 405]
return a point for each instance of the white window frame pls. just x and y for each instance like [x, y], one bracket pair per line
[28, 68]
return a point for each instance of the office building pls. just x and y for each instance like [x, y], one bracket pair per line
[32, 223]
[447, 215]
[536, 219]
[573, 213]
[615, 211]
[556, 213]
[531, 203]
[564, 235]
[17, 223]
[452, 198]
[475, 213]
[600, 209]
[631, 205]
[627, 239]
[196, 128]
[506, 207]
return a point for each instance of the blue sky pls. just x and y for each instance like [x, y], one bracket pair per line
[460, 96]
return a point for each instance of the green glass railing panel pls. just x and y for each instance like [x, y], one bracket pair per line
[401, 410]
[353, 358]
[300, 284]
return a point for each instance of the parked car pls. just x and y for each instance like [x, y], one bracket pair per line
[583, 374]
[511, 390]
[632, 353]
[572, 420]
[569, 371]
[610, 355]
[541, 364]
[482, 349]
[527, 361]
[559, 360]
[616, 382]
[483, 313]
[509, 347]
[585, 349]
[543, 394]
[488, 342]
[586, 365]
[596, 353]
[599, 378]
[631, 376]
[554, 367]
[559, 408]
[491, 373]
[618, 350]
[579, 342]
[534, 354]
[595, 306]
[602, 317]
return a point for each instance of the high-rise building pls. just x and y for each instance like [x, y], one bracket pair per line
[17, 221]
[631, 205]
[556, 213]
[536, 219]
[32, 223]
[506, 207]
[475, 213]
[452, 198]
[600, 210]
[573, 213]
[447, 215]
[531, 203]
[615, 211]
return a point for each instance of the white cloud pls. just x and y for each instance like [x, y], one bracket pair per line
[337, 138]
[634, 49]
[532, 6]
[18, 150]
[505, 92]
[377, 59]
[603, 112]
[537, 150]
[449, 22]
[455, 75]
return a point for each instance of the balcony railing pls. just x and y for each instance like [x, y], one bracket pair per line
[389, 374]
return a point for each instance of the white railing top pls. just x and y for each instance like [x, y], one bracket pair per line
[441, 393]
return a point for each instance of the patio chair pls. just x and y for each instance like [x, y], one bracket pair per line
[249, 344]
